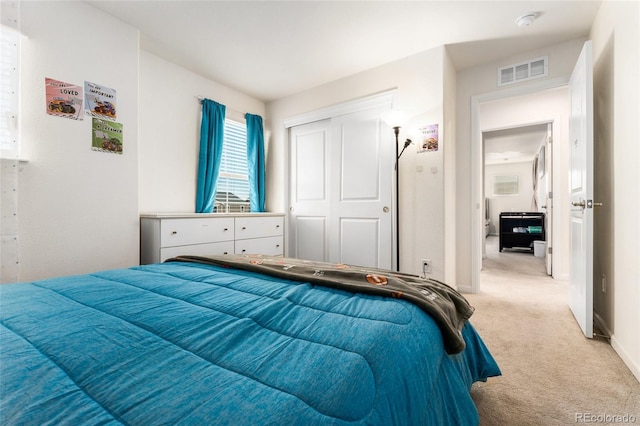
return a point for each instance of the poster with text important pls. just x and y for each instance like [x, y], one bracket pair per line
[63, 99]
[106, 136]
[100, 101]
[429, 138]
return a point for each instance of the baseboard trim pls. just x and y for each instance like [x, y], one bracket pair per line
[561, 277]
[615, 344]
[634, 368]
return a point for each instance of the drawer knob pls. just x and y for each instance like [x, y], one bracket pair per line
[244, 227]
[174, 232]
[226, 229]
[243, 251]
[226, 252]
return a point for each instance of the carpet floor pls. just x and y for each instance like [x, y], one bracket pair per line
[551, 373]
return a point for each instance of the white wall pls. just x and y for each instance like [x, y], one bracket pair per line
[418, 80]
[541, 107]
[479, 81]
[77, 208]
[520, 202]
[616, 43]
[170, 131]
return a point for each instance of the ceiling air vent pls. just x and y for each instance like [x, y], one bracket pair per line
[522, 72]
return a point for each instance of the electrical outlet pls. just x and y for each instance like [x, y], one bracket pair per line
[604, 283]
[426, 266]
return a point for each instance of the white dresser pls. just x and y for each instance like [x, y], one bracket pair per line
[163, 236]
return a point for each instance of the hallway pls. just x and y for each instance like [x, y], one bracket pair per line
[512, 260]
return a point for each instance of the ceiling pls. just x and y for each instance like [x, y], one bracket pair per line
[513, 145]
[273, 49]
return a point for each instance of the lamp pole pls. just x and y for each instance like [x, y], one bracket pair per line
[396, 131]
[395, 119]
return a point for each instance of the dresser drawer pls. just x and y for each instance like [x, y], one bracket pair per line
[270, 246]
[181, 232]
[163, 236]
[258, 226]
[225, 247]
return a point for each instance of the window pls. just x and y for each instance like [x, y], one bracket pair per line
[505, 185]
[232, 191]
[9, 80]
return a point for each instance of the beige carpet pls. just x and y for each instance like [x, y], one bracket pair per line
[551, 373]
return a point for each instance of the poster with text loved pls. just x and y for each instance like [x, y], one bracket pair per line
[63, 99]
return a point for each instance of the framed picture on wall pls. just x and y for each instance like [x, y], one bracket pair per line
[541, 163]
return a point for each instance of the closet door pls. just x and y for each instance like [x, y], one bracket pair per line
[360, 225]
[309, 191]
[340, 190]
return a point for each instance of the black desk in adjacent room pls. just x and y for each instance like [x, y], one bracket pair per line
[521, 229]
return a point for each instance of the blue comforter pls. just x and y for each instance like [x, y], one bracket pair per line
[183, 343]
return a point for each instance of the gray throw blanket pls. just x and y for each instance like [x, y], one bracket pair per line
[445, 305]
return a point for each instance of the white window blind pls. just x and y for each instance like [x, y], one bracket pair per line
[9, 80]
[9, 140]
[505, 185]
[232, 191]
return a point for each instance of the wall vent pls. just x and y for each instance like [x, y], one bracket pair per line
[524, 71]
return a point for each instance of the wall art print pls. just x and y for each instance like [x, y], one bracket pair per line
[100, 101]
[106, 136]
[428, 138]
[63, 99]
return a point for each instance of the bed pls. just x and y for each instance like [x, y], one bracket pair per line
[238, 340]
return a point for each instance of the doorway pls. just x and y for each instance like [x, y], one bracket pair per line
[517, 182]
[546, 102]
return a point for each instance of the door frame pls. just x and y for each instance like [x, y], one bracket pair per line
[356, 105]
[477, 165]
[549, 172]
[343, 108]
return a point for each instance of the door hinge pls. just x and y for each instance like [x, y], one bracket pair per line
[550, 250]
[550, 195]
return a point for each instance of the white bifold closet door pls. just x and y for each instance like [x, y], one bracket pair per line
[341, 180]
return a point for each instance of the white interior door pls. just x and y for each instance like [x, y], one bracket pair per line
[341, 190]
[360, 229]
[310, 207]
[581, 195]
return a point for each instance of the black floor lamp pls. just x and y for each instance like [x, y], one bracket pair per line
[394, 119]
